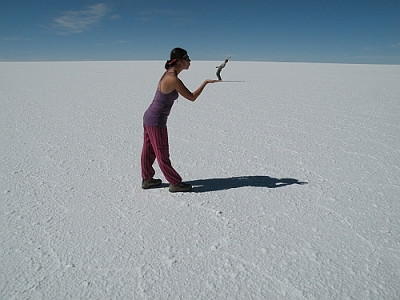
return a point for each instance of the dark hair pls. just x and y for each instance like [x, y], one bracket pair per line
[176, 54]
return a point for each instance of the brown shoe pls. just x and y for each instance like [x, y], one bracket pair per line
[150, 183]
[181, 187]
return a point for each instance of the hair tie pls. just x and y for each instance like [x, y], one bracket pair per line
[172, 61]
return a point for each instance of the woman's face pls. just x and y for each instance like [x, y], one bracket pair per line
[185, 62]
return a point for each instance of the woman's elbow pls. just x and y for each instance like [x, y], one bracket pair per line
[191, 98]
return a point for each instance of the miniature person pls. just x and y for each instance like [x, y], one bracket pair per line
[221, 66]
[155, 143]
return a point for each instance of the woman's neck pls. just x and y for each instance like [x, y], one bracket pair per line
[177, 70]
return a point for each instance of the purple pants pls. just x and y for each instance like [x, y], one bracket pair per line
[155, 145]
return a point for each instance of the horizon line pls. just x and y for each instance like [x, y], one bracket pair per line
[199, 60]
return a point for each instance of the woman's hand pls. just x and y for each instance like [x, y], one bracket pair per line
[211, 81]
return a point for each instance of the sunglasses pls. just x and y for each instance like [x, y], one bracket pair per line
[186, 57]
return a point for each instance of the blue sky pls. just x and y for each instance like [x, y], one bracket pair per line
[312, 31]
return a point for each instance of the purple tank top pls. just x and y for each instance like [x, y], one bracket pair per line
[158, 111]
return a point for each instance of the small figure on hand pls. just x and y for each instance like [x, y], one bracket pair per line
[220, 67]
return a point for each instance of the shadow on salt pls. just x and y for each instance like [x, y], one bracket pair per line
[219, 184]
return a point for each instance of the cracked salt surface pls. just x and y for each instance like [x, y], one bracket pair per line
[295, 171]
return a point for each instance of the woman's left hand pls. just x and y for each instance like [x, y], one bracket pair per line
[212, 81]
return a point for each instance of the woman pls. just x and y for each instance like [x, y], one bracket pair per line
[155, 144]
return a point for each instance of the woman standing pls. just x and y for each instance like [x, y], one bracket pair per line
[220, 67]
[155, 144]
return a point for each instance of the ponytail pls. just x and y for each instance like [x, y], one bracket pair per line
[170, 63]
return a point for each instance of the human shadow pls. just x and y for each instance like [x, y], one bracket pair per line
[219, 184]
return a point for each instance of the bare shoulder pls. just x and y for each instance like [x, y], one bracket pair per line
[169, 83]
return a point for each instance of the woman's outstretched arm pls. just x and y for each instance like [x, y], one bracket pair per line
[184, 91]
